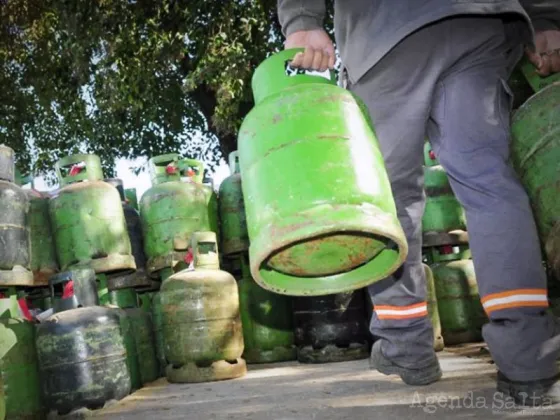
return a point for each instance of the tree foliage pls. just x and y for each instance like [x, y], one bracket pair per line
[128, 78]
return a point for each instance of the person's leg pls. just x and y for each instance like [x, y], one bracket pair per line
[469, 130]
[398, 93]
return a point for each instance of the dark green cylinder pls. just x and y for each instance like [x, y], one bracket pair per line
[461, 313]
[235, 238]
[20, 374]
[82, 359]
[319, 207]
[15, 252]
[43, 254]
[433, 311]
[331, 328]
[87, 218]
[267, 322]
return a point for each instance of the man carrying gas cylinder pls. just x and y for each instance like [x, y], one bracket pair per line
[439, 68]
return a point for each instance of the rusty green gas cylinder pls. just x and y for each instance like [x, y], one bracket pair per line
[129, 342]
[84, 289]
[142, 330]
[134, 227]
[102, 290]
[200, 314]
[235, 238]
[331, 328]
[43, 254]
[319, 207]
[87, 218]
[82, 359]
[15, 252]
[461, 313]
[267, 322]
[170, 212]
[442, 213]
[535, 155]
[20, 375]
[433, 311]
[131, 197]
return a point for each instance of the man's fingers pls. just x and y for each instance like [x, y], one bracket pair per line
[297, 60]
[317, 60]
[325, 62]
[308, 55]
[534, 58]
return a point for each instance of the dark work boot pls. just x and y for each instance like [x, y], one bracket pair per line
[422, 376]
[531, 393]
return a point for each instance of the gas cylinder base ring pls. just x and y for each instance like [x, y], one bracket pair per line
[126, 280]
[278, 354]
[111, 264]
[217, 371]
[80, 413]
[156, 264]
[18, 276]
[461, 337]
[343, 224]
[439, 344]
[332, 353]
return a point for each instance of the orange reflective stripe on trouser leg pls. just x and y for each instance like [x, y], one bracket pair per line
[517, 298]
[417, 310]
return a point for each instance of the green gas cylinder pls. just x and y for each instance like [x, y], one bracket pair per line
[131, 197]
[235, 238]
[19, 373]
[267, 322]
[535, 155]
[433, 310]
[141, 355]
[82, 284]
[443, 213]
[158, 333]
[319, 207]
[201, 323]
[171, 211]
[43, 254]
[15, 251]
[461, 313]
[82, 359]
[87, 218]
[429, 155]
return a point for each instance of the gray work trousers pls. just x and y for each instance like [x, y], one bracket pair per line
[448, 81]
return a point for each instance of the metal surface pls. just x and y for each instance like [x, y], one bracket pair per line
[170, 212]
[201, 325]
[158, 332]
[141, 323]
[88, 220]
[235, 238]
[102, 290]
[331, 328]
[82, 359]
[14, 229]
[442, 213]
[7, 164]
[267, 322]
[83, 285]
[437, 254]
[20, 375]
[43, 261]
[433, 310]
[124, 298]
[319, 206]
[129, 342]
[460, 310]
[535, 155]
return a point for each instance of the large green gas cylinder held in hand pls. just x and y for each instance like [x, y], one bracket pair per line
[14, 226]
[535, 154]
[200, 315]
[319, 207]
[268, 331]
[171, 211]
[235, 238]
[87, 218]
